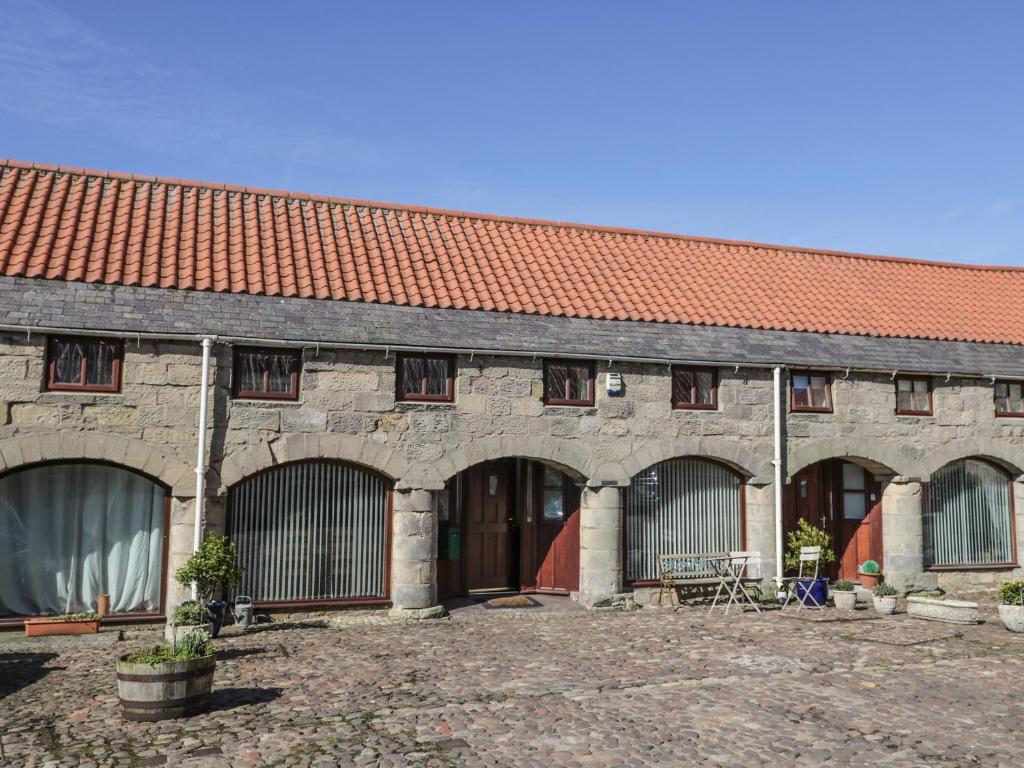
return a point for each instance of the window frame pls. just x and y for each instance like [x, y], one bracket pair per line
[587, 403]
[905, 412]
[1006, 414]
[51, 365]
[794, 408]
[418, 397]
[243, 394]
[682, 405]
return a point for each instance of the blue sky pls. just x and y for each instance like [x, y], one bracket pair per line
[883, 127]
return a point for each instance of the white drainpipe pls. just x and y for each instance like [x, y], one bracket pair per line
[777, 461]
[204, 388]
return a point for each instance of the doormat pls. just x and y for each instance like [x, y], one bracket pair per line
[515, 601]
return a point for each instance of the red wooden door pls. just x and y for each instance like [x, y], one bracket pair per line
[487, 519]
[551, 533]
[858, 525]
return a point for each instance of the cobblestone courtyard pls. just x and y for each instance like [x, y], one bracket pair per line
[539, 689]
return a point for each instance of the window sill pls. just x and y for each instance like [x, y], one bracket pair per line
[705, 408]
[812, 410]
[917, 413]
[266, 400]
[411, 406]
[1009, 415]
[983, 567]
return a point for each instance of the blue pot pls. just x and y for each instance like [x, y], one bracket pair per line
[217, 609]
[806, 589]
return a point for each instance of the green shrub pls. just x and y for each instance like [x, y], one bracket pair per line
[189, 613]
[91, 616]
[195, 645]
[870, 568]
[1012, 592]
[212, 568]
[843, 586]
[806, 535]
[884, 590]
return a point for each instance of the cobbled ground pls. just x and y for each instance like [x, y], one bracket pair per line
[523, 688]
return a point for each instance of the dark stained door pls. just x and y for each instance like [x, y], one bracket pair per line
[488, 521]
[551, 533]
[858, 524]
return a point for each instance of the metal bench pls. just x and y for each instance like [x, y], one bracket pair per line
[730, 572]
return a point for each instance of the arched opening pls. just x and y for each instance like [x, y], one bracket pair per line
[968, 516]
[509, 524]
[684, 505]
[72, 531]
[312, 532]
[843, 497]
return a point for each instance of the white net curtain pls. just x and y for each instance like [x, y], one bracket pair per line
[70, 532]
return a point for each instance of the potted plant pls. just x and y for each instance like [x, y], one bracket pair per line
[869, 573]
[212, 569]
[64, 624]
[1011, 608]
[884, 597]
[186, 618]
[843, 595]
[809, 590]
[165, 682]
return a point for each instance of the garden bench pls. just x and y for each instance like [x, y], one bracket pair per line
[728, 571]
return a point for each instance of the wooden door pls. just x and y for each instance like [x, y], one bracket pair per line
[551, 532]
[488, 521]
[858, 524]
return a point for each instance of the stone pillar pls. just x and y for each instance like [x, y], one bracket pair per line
[903, 536]
[179, 548]
[1018, 519]
[759, 503]
[600, 544]
[414, 555]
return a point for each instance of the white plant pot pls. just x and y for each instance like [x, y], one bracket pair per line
[884, 605]
[1013, 617]
[172, 633]
[845, 601]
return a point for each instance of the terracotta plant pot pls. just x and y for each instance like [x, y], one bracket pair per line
[40, 627]
[845, 601]
[1013, 617]
[103, 605]
[165, 690]
[868, 580]
[885, 605]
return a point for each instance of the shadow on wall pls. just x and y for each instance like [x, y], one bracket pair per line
[18, 670]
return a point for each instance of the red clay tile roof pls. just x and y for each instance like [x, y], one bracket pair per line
[72, 224]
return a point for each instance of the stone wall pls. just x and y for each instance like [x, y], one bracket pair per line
[347, 410]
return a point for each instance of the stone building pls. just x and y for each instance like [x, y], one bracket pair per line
[404, 404]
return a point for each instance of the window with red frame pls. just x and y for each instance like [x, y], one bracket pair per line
[429, 378]
[913, 396]
[568, 383]
[267, 374]
[695, 388]
[1009, 398]
[811, 392]
[84, 364]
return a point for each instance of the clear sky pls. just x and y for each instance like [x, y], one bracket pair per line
[883, 127]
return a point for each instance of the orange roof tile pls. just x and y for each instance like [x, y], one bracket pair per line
[80, 225]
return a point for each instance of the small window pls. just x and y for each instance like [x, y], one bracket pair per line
[554, 495]
[568, 383]
[913, 396]
[426, 377]
[84, 365]
[695, 388]
[1009, 398]
[271, 374]
[812, 392]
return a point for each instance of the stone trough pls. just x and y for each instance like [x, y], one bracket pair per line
[949, 611]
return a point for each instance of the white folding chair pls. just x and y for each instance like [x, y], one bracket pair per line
[810, 560]
[732, 571]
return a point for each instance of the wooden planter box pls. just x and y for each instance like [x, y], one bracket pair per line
[40, 627]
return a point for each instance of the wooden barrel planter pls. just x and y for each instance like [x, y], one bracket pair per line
[166, 690]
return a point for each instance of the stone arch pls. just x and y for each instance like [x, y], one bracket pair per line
[128, 452]
[876, 456]
[565, 454]
[240, 464]
[999, 452]
[727, 450]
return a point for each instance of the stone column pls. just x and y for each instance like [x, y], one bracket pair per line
[759, 503]
[1018, 515]
[414, 555]
[600, 544]
[179, 548]
[903, 536]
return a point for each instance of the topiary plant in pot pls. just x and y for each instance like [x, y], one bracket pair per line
[1011, 605]
[869, 573]
[807, 535]
[843, 596]
[884, 597]
[212, 569]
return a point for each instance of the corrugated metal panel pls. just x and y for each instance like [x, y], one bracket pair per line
[967, 515]
[315, 531]
[683, 505]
